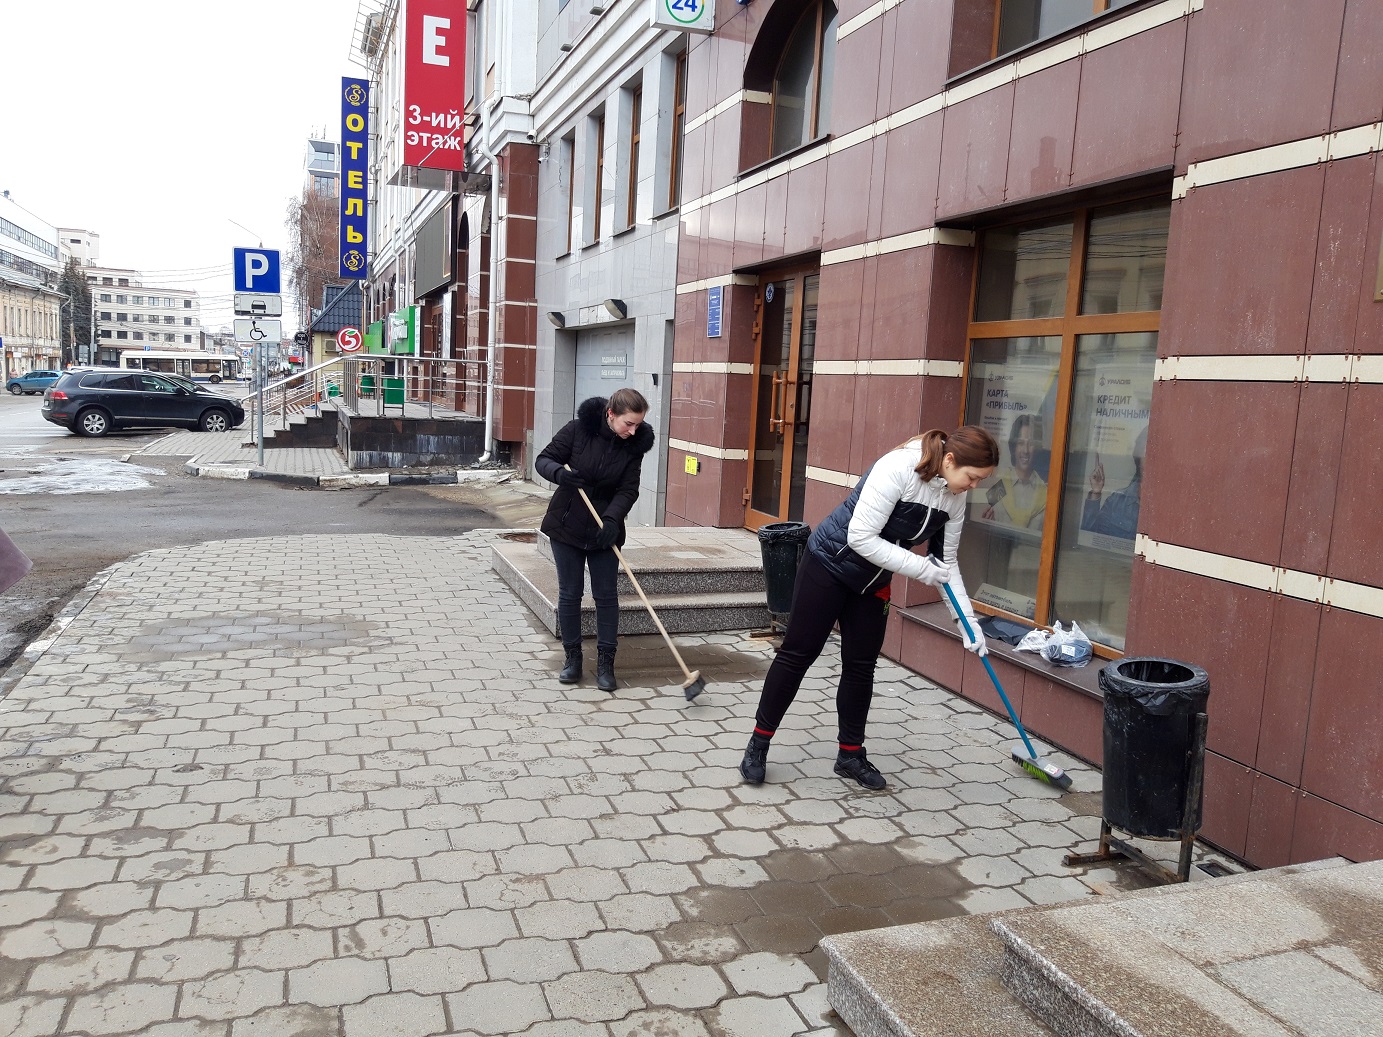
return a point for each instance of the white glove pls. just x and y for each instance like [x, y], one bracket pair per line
[977, 646]
[932, 574]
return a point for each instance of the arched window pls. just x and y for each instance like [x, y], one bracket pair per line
[802, 82]
[787, 80]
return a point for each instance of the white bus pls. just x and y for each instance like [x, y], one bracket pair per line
[200, 367]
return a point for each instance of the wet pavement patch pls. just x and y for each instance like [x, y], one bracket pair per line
[811, 894]
[643, 661]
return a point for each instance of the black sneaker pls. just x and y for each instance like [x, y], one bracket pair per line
[858, 768]
[755, 762]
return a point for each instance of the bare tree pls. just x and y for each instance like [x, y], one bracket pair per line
[76, 310]
[313, 235]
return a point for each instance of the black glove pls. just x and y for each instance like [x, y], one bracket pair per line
[608, 534]
[570, 477]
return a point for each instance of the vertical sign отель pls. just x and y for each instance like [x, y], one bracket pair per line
[434, 84]
[355, 147]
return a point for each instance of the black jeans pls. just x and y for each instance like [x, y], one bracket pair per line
[819, 601]
[572, 563]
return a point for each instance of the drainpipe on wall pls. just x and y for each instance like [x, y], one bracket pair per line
[494, 288]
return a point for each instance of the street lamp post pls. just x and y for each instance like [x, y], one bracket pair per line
[66, 356]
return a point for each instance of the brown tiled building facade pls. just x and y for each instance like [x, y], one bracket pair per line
[1143, 237]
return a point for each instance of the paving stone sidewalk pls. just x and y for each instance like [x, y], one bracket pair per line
[207, 449]
[255, 793]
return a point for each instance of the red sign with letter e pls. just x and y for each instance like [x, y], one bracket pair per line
[434, 83]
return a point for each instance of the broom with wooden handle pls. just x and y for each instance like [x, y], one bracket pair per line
[694, 685]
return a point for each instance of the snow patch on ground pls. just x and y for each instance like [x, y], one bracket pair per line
[74, 475]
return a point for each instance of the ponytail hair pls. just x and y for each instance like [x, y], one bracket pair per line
[622, 401]
[969, 445]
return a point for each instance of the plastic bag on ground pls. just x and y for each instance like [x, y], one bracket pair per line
[1067, 647]
[1034, 640]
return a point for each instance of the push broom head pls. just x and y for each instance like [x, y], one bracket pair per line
[694, 685]
[1042, 770]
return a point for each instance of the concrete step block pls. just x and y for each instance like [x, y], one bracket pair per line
[660, 569]
[728, 598]
[930, 979]
[1248, 954]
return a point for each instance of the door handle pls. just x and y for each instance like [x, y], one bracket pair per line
[775, 410]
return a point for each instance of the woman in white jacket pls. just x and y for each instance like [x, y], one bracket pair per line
[913, 495]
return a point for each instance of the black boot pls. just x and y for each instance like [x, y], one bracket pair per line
[754, 766]
[605, 669]
[571, 672]
[856, 767]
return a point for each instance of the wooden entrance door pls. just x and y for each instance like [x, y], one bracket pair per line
[785, 348]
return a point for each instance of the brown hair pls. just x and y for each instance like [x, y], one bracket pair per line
[970, 445]
[622, 401]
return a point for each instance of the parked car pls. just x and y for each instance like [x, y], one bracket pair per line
[92, 403]
[33, 383]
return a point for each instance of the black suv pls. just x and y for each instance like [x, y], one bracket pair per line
[91, 403]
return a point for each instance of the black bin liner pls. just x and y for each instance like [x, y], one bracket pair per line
[782, 544]
[1148, 706]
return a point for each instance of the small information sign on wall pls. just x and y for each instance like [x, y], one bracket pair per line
[683, 15]
[713, 303]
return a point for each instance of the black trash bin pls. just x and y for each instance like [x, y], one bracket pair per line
[782, 544]
[1150, 705]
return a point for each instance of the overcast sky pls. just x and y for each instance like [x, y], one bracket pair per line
[155, 123]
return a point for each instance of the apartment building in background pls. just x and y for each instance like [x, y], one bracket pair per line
[82, 245]
[30, 303]
[133, 314]
[322, 167]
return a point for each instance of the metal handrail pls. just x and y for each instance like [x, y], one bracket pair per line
[428, 381]
[305, 387]
[456, 385]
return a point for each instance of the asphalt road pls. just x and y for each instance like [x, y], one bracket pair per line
[60, 501]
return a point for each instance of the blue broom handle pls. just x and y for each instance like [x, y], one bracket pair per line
[965, 623]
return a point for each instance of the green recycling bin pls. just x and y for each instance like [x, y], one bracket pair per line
[367, 385]
[333, 390]
[393, 391]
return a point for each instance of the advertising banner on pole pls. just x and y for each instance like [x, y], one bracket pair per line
[355, 172]
[434, 84]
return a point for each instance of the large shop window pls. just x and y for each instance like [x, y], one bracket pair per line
[802, 84]
[1062, 348]
[1026, 21]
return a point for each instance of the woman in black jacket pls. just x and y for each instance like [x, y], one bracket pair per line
[600, 451]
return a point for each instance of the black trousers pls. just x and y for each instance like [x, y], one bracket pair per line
[572, 563]
[819, 602]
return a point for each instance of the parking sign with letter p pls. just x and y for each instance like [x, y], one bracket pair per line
[256, 270]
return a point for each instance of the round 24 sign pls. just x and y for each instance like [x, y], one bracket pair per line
[348, 340]
[684, 15]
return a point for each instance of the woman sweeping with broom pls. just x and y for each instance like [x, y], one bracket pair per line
[601, 452]
[913, 495]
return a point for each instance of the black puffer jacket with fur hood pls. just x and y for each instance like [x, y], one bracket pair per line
[609, 465]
